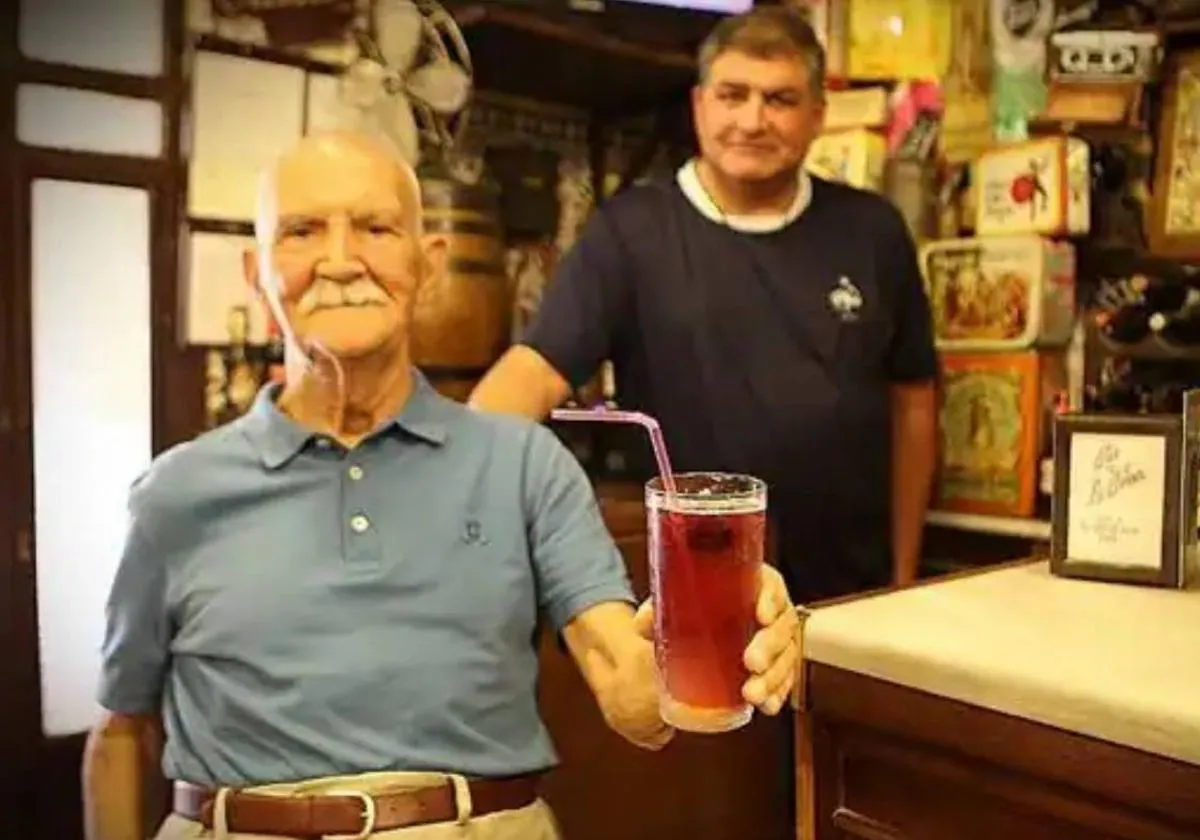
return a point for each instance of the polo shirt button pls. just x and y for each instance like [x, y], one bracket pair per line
[356, 472]
[359, 523]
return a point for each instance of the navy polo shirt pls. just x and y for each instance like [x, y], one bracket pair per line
[296, 610]
[769, 352]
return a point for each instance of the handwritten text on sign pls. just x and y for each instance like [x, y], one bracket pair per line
[1118, 493]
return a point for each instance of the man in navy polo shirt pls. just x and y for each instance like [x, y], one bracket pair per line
[774, 323]
[330, 605]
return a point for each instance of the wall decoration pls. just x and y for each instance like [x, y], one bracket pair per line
[1175, 208]
[216, 379]
[233, 373]
[245, 114]
[576, 199]
[323, 108]
[529, 266]
[966, 128]
[244, 373]
[215, 282]
[1020, 30]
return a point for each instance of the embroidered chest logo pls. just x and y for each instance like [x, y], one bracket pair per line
[845, 300]
[472, 533]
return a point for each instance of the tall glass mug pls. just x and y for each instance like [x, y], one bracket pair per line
[706, 544]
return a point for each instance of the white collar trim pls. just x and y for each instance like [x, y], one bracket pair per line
[688, 180]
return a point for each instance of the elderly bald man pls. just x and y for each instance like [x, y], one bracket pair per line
[330, 604]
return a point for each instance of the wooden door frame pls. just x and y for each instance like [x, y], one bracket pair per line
[12, 773]
[39, 759]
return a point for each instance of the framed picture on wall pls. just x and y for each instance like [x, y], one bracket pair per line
[323, 106]
[215, 286]
[245, 113]
[1174, 225]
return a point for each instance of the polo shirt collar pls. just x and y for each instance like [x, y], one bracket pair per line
[689, 183]
[278, 438]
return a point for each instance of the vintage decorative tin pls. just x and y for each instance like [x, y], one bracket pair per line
[854, 157]
[995, 413]
[1000, 293]
[856, 108]
[1040, 186]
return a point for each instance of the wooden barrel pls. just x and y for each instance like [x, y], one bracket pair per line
[463, 313]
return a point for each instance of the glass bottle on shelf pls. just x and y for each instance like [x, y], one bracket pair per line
[1179, 329]
[274, 355]
[1117, 390]
[243, 374]
[608, 384]
[1125, 324]
[216, 381]
[1162, 295]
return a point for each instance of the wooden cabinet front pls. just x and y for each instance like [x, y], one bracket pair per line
[890, 763]
[718, 787]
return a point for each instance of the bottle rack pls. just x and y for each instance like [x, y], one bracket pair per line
[1151, 349]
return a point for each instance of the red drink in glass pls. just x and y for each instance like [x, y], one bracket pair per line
[706, 548]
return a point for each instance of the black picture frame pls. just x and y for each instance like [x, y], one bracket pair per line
[1169, 571]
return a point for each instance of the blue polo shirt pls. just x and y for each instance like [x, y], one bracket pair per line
[297, 610]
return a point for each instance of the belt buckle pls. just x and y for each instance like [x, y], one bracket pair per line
[370, 815]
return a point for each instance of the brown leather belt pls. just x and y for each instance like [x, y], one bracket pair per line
[350, 814]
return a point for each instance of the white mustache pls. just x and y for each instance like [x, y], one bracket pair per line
[325, 294]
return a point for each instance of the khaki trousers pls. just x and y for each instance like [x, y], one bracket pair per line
[534, 822]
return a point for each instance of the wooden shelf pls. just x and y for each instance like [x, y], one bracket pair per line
[226, 227]
[1092, 132]
[1004, 526]
[521, 53]
[1181, 29]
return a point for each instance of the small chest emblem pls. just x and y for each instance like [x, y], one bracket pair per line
[845, 299]
[473, 533]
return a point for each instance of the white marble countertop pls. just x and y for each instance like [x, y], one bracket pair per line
[1112, 661]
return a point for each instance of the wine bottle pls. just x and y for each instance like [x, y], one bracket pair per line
[1120, 396]
[1127, 324]
[1116, 388]
[1161, 295]
[1166, 398]
[274, 357]
[608, 387]
[1181, 329]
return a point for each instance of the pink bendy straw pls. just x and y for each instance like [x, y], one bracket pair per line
[600, 414]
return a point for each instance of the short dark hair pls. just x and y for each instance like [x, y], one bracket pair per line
[767, 32]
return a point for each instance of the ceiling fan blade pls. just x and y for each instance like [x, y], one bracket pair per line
[399, 26]
[363, 84]
[441, 84]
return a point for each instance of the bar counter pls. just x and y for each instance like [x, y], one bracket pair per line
[1006, 703]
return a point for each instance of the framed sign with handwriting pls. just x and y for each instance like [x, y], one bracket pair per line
[1118, 510]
